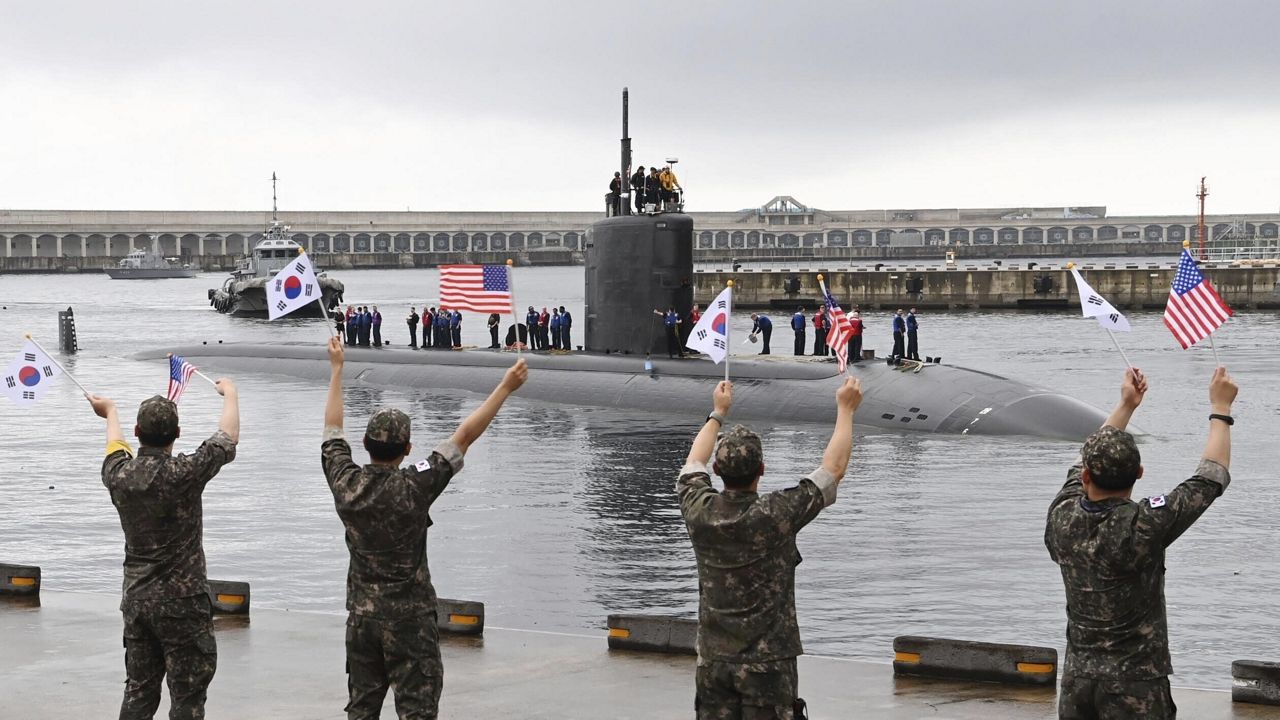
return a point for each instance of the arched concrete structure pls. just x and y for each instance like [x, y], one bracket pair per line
[863, 238]
[461, 242]
[1153, 233]
[480, 241]
[498, 241]
[722, 239]
[984, 236]
[1056, 235]
[1008, 236]
[959, 236]
[812, 240]
[1032, 236]
[1082, 234]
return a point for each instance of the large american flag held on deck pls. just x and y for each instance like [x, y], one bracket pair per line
[478, 288]
[840, 332]
[1194, 309]
[180, 371]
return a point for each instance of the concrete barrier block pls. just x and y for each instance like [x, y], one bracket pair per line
[653, 633]
[1253, 681]
[460, 617]
[968, 660]
[229, 597]
[19, 580]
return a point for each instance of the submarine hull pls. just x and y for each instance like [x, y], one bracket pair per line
[938, 399]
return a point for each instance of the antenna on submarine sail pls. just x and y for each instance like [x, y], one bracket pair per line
[636, 263]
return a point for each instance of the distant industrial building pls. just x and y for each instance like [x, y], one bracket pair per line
[783, 222]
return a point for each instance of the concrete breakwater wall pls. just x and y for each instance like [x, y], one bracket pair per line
[332, 261]
[1144, 250]
[1134, 286]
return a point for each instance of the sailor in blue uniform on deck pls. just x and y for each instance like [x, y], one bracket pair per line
[913, 343]
[899, 329]
[763, 326]
[798, 325]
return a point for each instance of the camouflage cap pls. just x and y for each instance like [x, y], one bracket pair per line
[388, 425]
[157, 416]
[739, 454]
[1112, 458]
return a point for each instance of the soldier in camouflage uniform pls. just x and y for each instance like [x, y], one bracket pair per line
[1111, 553]
[392, 638]
[745, 543]
[168, 622]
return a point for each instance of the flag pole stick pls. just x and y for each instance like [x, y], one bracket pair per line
[1216, 361]
[83, 389]
[196, 371]
[511, 285]
[1117, 344]
[728, 349]
[324, 309]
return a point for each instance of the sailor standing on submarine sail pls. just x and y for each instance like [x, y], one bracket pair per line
[745, 544]
[1111, 551]
[392, 639]
[168, 620]
[899, 330]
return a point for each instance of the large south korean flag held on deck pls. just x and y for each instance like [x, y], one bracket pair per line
[1095, 306]
[711, 334]
[294, 286]
[29, 376]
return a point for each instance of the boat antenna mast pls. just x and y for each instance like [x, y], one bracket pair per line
[625, 191]
[273, 197]
[1202, 194]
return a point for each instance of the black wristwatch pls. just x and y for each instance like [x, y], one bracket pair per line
[715, 416]
[1224, 418]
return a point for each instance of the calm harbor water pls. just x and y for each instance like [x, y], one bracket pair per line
[566, 514]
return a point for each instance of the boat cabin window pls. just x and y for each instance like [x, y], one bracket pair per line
[283, 253]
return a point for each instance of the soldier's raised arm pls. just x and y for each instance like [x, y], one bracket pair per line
[229, 423]
[835, 460]
[333, 404]
[474, 426]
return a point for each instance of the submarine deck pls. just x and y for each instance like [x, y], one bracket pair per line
[64, 660]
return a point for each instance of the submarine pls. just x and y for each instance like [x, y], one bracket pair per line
[638, 262]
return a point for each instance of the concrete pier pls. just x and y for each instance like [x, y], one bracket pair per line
[1012, 285]
[64, 660]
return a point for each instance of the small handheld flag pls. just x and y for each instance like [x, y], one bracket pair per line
[1194, 309]
[180, 371]
[293, 287]
[1095, 306]
[30, 375]
[711, 334]
[841, 329]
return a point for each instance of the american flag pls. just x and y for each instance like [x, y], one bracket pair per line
[840, 332]
[478, 288]
[180, 371]
[1194, 309]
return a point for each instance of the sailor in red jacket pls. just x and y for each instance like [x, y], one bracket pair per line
[820, 332]
[855, 340]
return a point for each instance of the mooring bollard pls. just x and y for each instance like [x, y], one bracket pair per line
[967, 660]
[653, 633]
[229, 597]
[19, 580]
[1254, 681]
[460, 617]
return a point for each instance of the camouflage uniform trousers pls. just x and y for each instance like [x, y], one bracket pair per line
[404, 654]
[1104, 699]
[171, 640]
[747, 691]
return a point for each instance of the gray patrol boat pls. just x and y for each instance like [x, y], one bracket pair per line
[245, 292]
[148, 265]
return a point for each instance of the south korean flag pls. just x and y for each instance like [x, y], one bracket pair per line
[1095, 306]
[29, 376]
[294, 286]
[711, 334]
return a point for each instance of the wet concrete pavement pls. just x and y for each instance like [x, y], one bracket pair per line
[65, 659]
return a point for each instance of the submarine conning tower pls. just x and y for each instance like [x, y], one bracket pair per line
[637, 264]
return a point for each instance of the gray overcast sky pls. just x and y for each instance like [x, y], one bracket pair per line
[483, 105]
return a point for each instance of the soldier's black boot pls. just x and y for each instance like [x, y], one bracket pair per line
[801, 709]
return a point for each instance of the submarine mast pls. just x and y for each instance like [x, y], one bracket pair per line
[636, 263]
